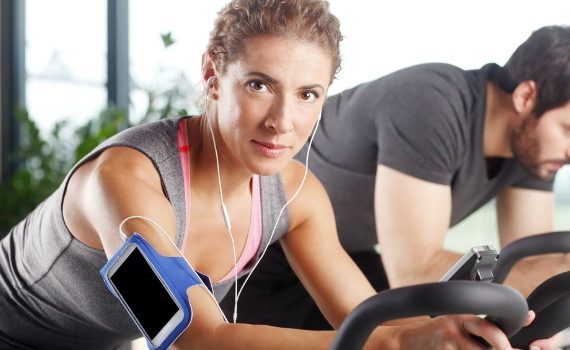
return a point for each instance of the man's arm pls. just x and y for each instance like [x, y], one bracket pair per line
[412, 219]
[520, 213]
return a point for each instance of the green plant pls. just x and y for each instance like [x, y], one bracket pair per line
[41, 168]
[43, 161]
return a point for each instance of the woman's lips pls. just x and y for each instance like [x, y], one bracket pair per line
[269, 149]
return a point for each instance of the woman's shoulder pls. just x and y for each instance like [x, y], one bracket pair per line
[116, 175]
[157, 139]
[134, 151]
[115, 166]
[121, 162]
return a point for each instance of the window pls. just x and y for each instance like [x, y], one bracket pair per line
[66, 55]
[158, 69]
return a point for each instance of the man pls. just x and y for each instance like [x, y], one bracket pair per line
[406, 156]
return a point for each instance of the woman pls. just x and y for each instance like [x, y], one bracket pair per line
[268, 67]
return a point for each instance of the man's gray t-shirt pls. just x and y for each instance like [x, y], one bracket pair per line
[426, 121]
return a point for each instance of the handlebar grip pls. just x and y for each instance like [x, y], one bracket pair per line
[545, 243]
[551, 320]
[506, 306]
[551, 302]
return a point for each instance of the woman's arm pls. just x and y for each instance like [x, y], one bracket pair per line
[208, 331]
[312, 247]
[122, 182]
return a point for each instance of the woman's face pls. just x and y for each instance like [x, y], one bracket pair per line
[269, 100]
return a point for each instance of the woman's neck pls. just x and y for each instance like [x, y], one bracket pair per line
[203, 169]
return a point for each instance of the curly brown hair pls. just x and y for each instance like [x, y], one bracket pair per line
[306, 20]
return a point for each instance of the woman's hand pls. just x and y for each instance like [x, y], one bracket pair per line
[551, 343]
[451, 332]
[444, 332]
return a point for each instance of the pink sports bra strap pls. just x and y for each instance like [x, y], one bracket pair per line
[255, 227]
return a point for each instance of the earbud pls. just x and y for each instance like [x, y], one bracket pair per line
[209, 82]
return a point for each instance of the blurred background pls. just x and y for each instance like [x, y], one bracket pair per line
[75, 72]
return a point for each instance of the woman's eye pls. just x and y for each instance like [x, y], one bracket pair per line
[257, 85]
[309, 96]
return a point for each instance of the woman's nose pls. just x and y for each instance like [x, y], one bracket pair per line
[280, 115]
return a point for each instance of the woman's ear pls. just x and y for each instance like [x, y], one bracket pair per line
[524, 98]
[209, 75]
[208, 69]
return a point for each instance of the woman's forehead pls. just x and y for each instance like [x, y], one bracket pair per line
[285, 60]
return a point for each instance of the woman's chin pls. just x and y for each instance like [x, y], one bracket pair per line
[268, 168]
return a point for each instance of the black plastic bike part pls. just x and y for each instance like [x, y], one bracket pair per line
[476, 265]
[505, 306]
[553, 319]
[551, 303]
[552, 242]
[483, 269]
[548, 291]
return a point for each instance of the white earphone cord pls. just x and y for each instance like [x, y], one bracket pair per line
[227, 218]
[226, 221]
[279, 215]
[225, 214]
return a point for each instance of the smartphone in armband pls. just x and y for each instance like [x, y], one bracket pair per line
[476, 265]
[152, 288]
[145, 296]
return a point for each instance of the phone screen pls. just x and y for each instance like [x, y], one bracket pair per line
[144, 293]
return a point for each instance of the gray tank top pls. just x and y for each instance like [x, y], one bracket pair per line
[51, 293]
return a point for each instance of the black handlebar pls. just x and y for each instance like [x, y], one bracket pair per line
[551, 289]
[551, 303]
[553, 242]
[505, 306]
[550, 300]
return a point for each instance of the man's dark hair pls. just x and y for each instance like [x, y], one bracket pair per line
[545, 59]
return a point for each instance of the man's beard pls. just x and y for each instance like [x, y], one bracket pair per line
[526, 149]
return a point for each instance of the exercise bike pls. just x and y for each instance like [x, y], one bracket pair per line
[503, 305]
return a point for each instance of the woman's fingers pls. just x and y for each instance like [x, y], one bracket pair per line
[530, 318]
[489, 332]
[551, 343]
[453, 333]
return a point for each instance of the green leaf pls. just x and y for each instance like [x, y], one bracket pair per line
[167, 39]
